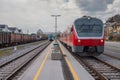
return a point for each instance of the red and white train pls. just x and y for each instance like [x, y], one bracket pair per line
[85, 36]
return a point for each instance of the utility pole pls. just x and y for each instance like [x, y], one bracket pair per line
[56, 55]
[55, 25]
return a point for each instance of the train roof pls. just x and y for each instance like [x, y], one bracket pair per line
[88, 18]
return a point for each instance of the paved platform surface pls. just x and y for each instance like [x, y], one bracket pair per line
[112, 48]
[81, 72]
[43, 68]
[51, 70]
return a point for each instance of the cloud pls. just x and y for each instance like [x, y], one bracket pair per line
[24, 14]
[69, 5]
[109, 1]
[35, 14]
[93, 5]
[115, 7]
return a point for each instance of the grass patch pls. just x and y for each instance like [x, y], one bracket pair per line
[7, 52]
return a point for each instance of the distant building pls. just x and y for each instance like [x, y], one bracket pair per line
[14, 30]
[112, 28]
[4, 28]
[117, 28]
[20, 31]
[39, 34]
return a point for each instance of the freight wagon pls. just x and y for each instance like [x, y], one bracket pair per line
[8, 38]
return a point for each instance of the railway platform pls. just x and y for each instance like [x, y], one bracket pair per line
[44, 68]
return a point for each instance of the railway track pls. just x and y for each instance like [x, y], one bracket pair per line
[114, 57]
[100, 70]
[14, 65]
[9, 51]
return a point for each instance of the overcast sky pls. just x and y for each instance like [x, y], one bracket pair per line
[36, 14]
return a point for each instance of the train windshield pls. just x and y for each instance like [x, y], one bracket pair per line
[91, 30]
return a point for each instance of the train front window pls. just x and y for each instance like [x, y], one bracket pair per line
[92, 30]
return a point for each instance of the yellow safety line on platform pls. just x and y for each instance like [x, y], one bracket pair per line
[41, 67]
[70, 66]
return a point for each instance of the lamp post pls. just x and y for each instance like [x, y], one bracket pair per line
[55, 25]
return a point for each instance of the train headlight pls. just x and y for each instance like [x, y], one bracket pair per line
[101, 40]
[88, 18]
[79, 41]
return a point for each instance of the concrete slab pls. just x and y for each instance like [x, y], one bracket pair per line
[81, 72]
[56, 55]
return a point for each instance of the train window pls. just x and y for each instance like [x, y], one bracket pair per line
[89, 30]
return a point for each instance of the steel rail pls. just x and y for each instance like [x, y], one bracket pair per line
[22, 64]
[111, 56]
[5, 63]
[108, 71]
[96, 73]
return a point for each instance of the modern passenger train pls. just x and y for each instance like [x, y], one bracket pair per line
[85, 36]
[51, 37]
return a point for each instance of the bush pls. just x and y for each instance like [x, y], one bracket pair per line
[114, 37]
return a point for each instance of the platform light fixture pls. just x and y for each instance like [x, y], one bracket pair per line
[55, 24]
